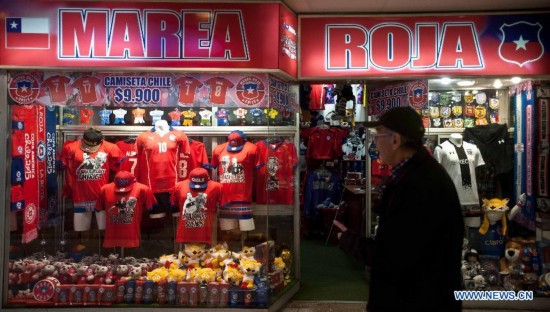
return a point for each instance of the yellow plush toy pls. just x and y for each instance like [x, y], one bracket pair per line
[494, 209]
[192, 255]
[176, 275]
[232, 276]
[206, 275]
[278, 264]
[249, 269]
[157, 275]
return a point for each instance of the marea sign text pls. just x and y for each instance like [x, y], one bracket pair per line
[394, 46]
[152, 34]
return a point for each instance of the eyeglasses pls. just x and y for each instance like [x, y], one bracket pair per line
[377, 136]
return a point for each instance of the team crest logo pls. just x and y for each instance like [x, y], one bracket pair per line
[493, 103]
[456, 98]
[434, 111]
[480, 111]
[520, 43]
[459, 123]
[436, 122]
[41, 150]
[250, 90]
[457, 111]
[444, 99]
[30, 214]
[448, 123]
[445, 111]
[418, 95]
[24, 89]
[434, 96]
[469, 98]
[481, 98]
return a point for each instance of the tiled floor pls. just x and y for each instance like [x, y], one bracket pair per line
[341, 306]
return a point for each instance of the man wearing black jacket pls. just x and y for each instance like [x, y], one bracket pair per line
[415, 257]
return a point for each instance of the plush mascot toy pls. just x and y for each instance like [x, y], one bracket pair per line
[495, 210]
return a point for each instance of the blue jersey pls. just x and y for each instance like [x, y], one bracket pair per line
[104, 115]
[320, 187]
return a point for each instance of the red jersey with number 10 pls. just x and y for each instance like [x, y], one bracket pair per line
[157, 158]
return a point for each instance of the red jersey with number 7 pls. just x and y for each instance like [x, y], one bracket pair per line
[129, 156]
[57, 88]
[157, 158]
[187, 89]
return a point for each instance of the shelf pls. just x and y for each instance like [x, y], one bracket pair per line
[191, 130]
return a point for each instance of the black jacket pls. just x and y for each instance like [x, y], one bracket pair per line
[416, 257]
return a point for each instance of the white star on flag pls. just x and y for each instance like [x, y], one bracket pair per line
[520, 43]
[250, 90]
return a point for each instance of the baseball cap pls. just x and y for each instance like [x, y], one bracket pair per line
[198, 178]
[403, 120]
[91, 140]
[124, 181]
[236, 140]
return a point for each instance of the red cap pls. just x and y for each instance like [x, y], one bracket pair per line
[124, 181]
[198, 178]
[236, 140]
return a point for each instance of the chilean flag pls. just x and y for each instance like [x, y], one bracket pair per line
[27, 33]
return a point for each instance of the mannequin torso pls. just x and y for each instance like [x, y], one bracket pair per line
[161, 127]
[456, 139]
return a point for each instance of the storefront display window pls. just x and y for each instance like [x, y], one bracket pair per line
[120, 200]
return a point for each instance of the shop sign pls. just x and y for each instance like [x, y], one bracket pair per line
[365, 46]
[140, 89]
[200, 36]
[385, 96]
[283, 96]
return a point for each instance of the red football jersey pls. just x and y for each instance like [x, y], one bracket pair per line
[196, 158]
[157, 158]
[87, 87]
[236, 172]
[187, 89]
[175, 115]
[218, 89]
[275, 180]
[129, 156]
[325, 143]
[123, 213]
[317, 97]
[197, 211]
[89, 171]
[85, 115]
[57, 88]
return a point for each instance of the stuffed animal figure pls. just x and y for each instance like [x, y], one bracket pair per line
[206, 275]
[191, 275]
[249, 269]
[158, 275]
[225, 257]
[176, 275]
[511, 263]
[247, 253]
[278, 264]
[135, 273]
[100, 274]
[232, 276]
[471, 269]
[192, 254]
[210, 258]
[494, 209]
[167, 260]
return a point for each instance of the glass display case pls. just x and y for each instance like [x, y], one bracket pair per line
[153, 195]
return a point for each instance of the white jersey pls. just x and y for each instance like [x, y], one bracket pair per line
[447, 156]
